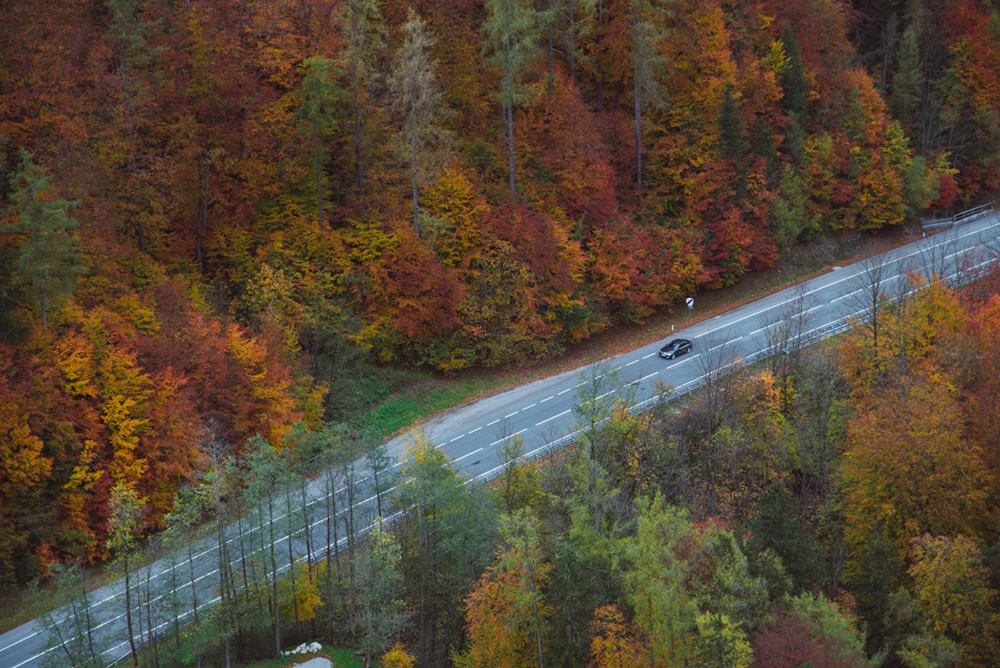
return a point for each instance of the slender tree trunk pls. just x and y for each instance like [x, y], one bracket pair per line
[202, 226]
[572, 43]
[421, 548]
[349, 520]
[194, 607]
[45, 315]
[128, 612]
[413, 164]
[85, 597]
[359, 171]
[510, 139]
[509, 87]
[538, 621]
[291, 564]
[637, 93]
[274, 577]
[600, 66]
[550, 50]
[649, 604]
[319, 180]
[303, 491]
[151, 629]
[330, 490]
[226, 601]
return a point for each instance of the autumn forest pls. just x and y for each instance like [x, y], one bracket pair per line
[220, 218]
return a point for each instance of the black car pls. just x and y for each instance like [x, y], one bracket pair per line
[675, 348]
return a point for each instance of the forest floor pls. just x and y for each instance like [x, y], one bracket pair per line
[432, 394]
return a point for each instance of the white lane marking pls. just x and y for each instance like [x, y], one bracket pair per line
[468, 455]
[397, 464]
[456, 438]
[493, 423]
[473, 431]
[559, 394]
[582, 384]
[501, 440]
[546, 399]
[655, 373]
[606, 394]
[511, 415]
[718, 346]
[538, 424]
[527, 407]
[632, 362]
[646, 357]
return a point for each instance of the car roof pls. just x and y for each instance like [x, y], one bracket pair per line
[677, 342]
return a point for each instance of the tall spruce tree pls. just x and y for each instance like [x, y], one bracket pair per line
[47, 262]
[318, 97]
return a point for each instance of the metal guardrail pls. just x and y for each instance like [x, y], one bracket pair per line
[961, 217]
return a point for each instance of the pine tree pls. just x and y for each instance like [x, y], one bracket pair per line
[793, 77]
[47, 263]
[908, 82]
[731, 127]
[318, 97]
[777, 528]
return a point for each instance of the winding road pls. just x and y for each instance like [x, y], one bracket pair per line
[542, 414]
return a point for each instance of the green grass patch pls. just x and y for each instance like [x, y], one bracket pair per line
[420, 401]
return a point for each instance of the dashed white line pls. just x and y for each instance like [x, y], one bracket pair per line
[655, 373]
[493, 423]
[511, 415]
[648, 356]
[456, 438]
[501, 440]
[527, 407]
[632, 362]
[538, 424]
[546, 399]
[473, 431]
[467, 455]
[559, 394]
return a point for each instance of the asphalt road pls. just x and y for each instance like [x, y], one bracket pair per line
[542, 413]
